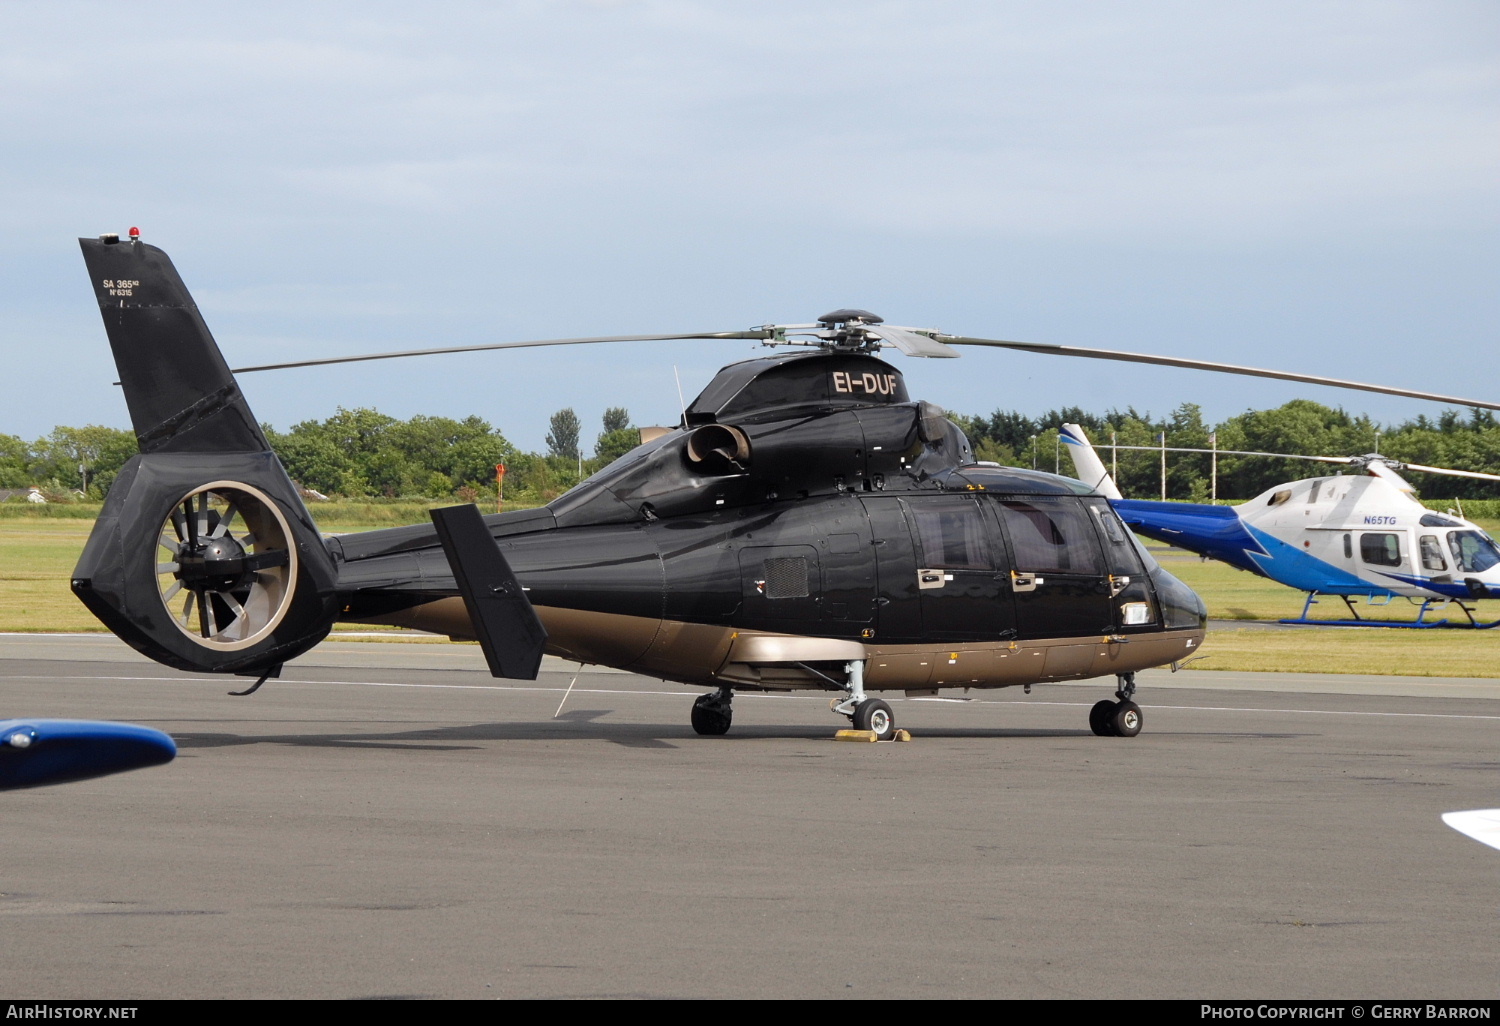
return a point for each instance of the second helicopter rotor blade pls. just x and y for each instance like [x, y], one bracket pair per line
[1346, 460]
[1452, 473]
[1049, 349]
[584, 340]
[1230, 452]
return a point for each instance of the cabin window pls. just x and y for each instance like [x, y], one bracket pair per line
[953, 539]
[1473, 551]
[1432, 554]
[1051, 538]
[1114, 531]
[786, 577]
[1381, 549]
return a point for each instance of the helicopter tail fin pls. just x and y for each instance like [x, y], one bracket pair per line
[204, 556]
[181, 395]
[1090, 467]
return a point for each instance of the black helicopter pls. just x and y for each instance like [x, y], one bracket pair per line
[807, 525]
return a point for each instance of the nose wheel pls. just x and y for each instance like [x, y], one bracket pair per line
[1122, 718]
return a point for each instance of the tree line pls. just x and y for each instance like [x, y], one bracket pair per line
[359, 453]
[1301, 427]
[363, 453]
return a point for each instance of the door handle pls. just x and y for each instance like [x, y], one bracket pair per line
[932, 578]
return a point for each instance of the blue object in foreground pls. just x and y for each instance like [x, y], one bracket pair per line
[38, 752]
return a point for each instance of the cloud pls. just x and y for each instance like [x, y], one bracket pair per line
[1067, 170]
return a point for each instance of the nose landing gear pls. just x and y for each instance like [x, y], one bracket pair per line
[1118, 719]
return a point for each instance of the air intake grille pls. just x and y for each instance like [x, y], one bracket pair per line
[786, 577]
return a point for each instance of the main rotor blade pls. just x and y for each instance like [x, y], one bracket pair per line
[1453, 473]
[753, 335]
[910, 342]
[1224, 368]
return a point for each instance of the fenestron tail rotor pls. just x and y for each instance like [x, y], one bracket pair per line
[227, 565]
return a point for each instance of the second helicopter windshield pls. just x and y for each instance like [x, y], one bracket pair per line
[1473, 551]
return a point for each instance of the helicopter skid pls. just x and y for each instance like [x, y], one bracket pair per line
[1415, 624]
[1420, 623]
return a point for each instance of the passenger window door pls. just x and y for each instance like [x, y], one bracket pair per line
[1381, 549]
[1432, 554]
[961, 569]
[1058, 578]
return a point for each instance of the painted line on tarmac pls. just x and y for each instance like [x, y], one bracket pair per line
[359, 683]
[820, 696]
[1233, 708]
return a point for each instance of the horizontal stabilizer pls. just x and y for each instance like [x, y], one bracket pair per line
[38, 752]
[507, 627]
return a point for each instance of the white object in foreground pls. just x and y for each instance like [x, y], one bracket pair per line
[1481, 824]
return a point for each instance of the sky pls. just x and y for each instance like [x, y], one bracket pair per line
[1307, 185]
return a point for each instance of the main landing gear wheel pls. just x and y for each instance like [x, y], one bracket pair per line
[875, 716]
[1127, 720]
[1101, 718]
[712, 713]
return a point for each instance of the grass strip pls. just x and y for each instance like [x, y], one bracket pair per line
[37, 556]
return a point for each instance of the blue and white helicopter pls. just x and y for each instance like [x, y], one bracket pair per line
[1345, 535]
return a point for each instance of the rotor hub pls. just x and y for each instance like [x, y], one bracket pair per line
[217, 564]
[850, 317]
[845, 329]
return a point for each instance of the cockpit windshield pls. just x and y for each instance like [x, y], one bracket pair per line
[1473, 551]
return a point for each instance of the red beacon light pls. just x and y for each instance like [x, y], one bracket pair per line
[135, 234]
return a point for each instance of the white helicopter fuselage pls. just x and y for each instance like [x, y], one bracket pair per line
[1358, 535]
[1349, 534]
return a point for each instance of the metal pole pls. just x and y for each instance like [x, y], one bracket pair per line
[1057, 453]
[1213, 474]
[1033, 452]
[1162, 437]
[1114, 459]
